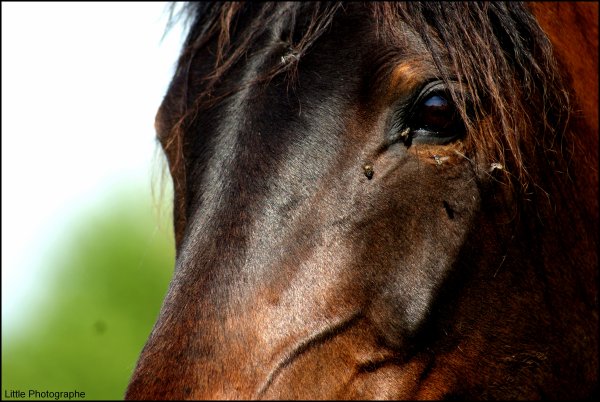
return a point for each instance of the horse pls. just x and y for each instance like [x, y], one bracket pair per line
[381, 201]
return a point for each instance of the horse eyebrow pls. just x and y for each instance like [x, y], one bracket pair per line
[406, 74]
[409, 75]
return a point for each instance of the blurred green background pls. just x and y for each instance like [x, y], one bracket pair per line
[109, 273]
[87, 249]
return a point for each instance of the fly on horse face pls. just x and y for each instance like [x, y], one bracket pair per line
[381, 200]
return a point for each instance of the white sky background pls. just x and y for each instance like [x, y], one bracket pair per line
[81, 83]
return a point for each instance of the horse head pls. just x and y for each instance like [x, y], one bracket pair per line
[381, 201]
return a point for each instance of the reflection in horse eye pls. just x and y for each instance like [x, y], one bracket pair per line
[436, 114]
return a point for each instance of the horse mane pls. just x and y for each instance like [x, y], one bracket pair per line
[518, 106]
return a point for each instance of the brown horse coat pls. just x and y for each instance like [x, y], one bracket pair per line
[383, 200]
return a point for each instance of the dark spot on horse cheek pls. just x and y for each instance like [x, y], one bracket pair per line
[449, 210]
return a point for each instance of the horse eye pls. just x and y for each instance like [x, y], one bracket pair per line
[436, 113]
[435, 121]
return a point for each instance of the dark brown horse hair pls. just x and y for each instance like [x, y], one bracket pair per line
[517, 93]
[321, 252]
